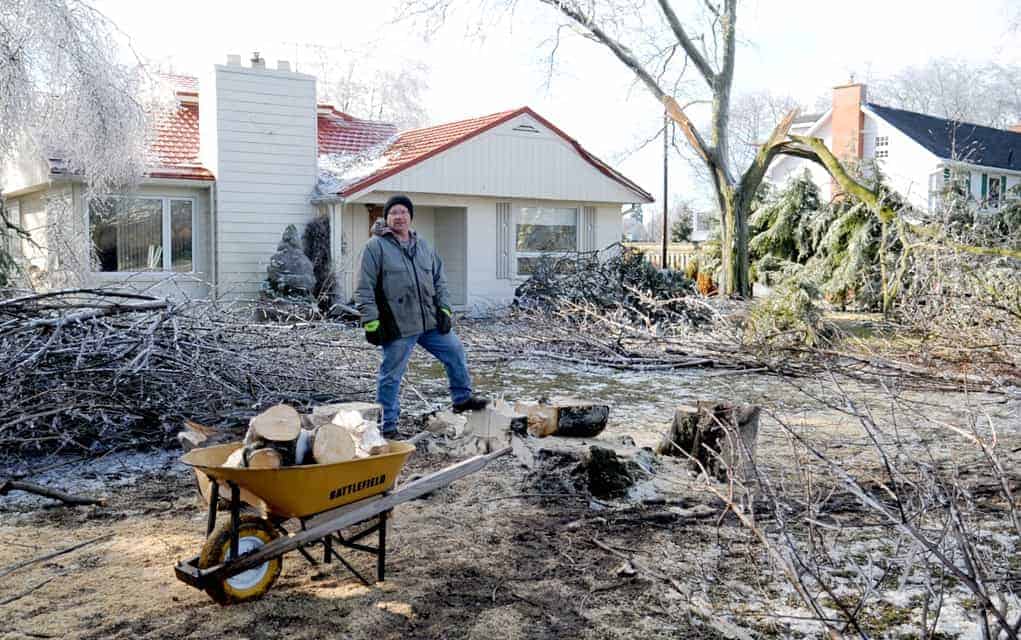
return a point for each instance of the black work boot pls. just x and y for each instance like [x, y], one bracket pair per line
[473, 403]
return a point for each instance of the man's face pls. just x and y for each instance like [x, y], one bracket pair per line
[398, 218]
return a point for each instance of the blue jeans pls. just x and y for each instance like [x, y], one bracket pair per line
[446, 347]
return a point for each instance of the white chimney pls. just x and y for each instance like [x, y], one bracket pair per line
[233, 60]
[257, 61]
[258, 137]
[283, 65]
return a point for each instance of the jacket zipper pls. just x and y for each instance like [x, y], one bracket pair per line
[418, 287]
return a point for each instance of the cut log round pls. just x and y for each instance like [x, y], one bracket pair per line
[333, 444]
[236, 460]
[264, 459]
[303, 447]
[280, 423]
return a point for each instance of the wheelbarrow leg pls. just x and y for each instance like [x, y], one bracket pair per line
[381, 552]
[235, 519]
[214, 498]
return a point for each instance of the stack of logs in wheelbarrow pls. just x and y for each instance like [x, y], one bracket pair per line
[302, 507]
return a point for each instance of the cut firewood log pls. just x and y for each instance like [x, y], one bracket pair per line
[564, 417]
[264, 459]
[333, 443]
[190, 440]
[278, 428]
[368, 440]
[236, 460]
[579, 418]
[542, 418]
[325, 413]
[279, 423]
[303, 447]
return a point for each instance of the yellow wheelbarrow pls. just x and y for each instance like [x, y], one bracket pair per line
[242, 558]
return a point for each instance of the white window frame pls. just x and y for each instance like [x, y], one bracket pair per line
[167, 229]
[538, 254]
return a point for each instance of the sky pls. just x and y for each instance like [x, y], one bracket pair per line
[796, 47]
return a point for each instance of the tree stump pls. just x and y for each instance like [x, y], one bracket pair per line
[719, 437]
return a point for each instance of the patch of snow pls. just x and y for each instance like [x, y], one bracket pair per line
[337, 171]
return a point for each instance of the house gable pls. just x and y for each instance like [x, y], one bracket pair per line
[515, 154]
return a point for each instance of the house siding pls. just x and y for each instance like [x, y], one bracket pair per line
[908, 165]
[258, 130]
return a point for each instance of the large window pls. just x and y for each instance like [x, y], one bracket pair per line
[142, 234]
[541, 231]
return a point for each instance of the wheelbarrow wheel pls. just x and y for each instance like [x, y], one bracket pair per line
[253, 532]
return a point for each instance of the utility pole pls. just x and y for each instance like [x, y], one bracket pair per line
[666, 148]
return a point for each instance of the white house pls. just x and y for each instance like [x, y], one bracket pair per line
[920, 155]
[491, 193]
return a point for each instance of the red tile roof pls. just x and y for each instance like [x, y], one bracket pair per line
[414, 146]
[176, 145]
[345, 134]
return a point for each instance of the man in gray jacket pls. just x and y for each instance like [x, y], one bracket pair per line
[402, 294]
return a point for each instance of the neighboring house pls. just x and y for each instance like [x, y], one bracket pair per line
[493, 194]
[921, 156]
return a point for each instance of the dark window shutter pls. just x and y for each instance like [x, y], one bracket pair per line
[985, 185]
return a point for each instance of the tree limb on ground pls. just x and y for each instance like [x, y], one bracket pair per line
[7, 486]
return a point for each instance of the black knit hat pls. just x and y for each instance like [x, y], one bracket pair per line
[401, 199]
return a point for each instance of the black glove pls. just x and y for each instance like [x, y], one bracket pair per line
[444, 320]
[373, 333]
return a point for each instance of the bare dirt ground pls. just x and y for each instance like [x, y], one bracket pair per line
[500, 554]
[476, 560]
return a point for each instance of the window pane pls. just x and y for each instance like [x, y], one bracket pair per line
[180, 235]
[547, 229]
[127, 233]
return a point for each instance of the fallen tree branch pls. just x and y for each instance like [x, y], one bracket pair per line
[7, 486]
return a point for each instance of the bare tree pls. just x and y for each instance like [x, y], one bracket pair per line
[987, 94]
[352, 82]
[66, 96]
[687, 60]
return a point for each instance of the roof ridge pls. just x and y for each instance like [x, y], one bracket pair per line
[464, 120]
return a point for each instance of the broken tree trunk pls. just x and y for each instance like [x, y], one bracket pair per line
[718, 437]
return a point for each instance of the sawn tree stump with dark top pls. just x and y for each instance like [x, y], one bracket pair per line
[718, 436]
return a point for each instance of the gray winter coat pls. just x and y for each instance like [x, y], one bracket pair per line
[414, 284]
